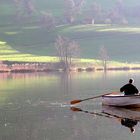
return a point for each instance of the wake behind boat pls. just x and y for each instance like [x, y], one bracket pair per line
[121, 100]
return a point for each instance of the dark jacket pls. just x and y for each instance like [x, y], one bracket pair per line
[129, 89]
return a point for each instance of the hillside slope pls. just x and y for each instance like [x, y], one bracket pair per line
[121, 42]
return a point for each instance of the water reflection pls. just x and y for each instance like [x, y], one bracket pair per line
[130, 123]
[126, 117]
[33, 123]
[36, 106]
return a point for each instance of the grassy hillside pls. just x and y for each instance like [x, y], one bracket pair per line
[121, 42]
[30, 42]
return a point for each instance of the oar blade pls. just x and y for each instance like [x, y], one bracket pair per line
[75, 109]
[75, 101]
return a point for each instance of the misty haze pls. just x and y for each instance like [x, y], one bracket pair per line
[60, 61]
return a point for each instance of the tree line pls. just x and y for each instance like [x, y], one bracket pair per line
[76, 12]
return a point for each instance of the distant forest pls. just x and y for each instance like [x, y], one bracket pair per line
[53, 13]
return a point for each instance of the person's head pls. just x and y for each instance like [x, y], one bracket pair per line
[131, 81]
[132, 130]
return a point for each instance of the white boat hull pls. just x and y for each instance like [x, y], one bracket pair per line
[121, 101]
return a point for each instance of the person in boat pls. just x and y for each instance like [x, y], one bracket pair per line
[130, 123]
[129, 89]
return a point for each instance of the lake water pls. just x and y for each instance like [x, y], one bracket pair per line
[37, 106]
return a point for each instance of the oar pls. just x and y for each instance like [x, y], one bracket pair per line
[75, 109]
[78, 101]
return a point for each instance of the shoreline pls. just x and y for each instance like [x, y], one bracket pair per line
[30, 67]
[43, 68]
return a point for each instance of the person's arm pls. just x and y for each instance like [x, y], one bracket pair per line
[136, 90]
[122, 89]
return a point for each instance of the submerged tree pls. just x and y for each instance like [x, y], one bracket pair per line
[66, 50]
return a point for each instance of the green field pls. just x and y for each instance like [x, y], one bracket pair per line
[121, 42]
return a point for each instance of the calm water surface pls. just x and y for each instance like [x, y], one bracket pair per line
[37, 106]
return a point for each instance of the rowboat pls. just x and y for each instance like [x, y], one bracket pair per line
[121, 100]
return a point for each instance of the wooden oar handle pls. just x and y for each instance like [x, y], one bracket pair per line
[78, 101]
[96, 96]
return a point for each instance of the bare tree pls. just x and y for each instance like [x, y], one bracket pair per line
[28, 6]
[47, 20]
[66, 50]
[117, 13]
[69, 11]
[96, 11]
[74, 50]
[104, 57]
[72, 9]
[24, 8]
